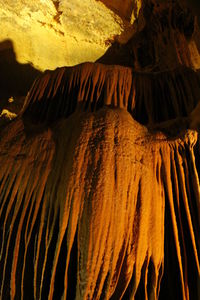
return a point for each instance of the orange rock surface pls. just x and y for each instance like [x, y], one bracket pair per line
[93, 203]
[100, 175]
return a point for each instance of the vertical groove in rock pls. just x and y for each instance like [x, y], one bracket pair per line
[96, 202]
[75, 203]
[150, 98]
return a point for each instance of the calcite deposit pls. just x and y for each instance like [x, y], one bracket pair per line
[100, 168]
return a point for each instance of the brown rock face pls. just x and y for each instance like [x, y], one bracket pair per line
[91, 86]
[100, 176]
[163, 37]
[93, 204]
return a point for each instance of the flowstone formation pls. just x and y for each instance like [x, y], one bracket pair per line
[100, 170]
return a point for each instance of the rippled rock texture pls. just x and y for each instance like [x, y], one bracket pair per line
[94, 204]
[100, 172]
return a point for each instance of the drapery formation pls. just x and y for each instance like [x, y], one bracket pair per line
[149, 97]
[93, 205]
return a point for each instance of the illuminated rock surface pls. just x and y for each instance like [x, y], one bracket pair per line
[100, 170]
[88, 195]
[57, 33]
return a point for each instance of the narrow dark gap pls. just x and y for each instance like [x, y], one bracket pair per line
[2, 179]
[73, 101]
[39, 266]
[9, 261]
[150, 278]
[100, 102]
[7, 225]
[105, 286]
[32, 212]
[171, 282]
[57, 100]
[95, 100]
[72, 96]
[62, 102]
[131, 99]
[5, 201]
[190, 256]
[140, 293]
[60, 270]
[87, 94]
[20, 261]
[197, 157]
[193, 200]
[128, 293]
[122, 266]
[160, 274]
[72, 270]
[178, 208]
[49, 262]
[65, 96]
[96, 96]
[191, 262]
[30, 259]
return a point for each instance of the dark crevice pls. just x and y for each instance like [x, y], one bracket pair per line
[30, 259]
[9, 217]
[41, 254]
[197, 157]
[150, 278]
[50, 258]
[8, 263]
[60, 269]
[21, 252]
[129, 291]
[72, 270]
[192, 273]
[140, 293]
[170, 285]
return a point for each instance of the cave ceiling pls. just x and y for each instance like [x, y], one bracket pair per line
[51, 33]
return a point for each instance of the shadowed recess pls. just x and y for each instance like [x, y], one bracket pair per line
[15, 78]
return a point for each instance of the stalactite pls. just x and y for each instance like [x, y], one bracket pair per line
[91, 86]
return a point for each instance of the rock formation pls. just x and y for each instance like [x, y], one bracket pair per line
[51, 33]
[100, 171]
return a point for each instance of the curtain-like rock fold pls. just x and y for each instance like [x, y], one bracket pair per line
[94, 205]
